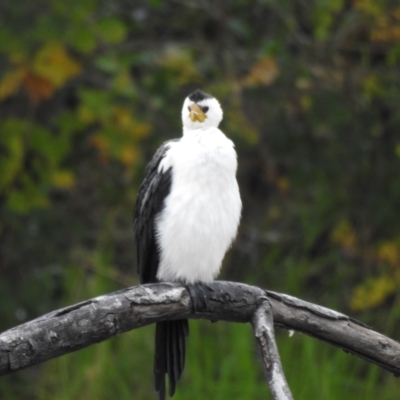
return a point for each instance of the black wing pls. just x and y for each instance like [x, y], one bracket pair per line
[170, 340]
[150, 201]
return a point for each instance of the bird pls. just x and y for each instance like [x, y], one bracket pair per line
[186, 217]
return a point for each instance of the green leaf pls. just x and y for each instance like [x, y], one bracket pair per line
[28, 198]
[12, 140]
[155, 3]
[10, 43]
[111, 30]
[83, 40]
[108, 64]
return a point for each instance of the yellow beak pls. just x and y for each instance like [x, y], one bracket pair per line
[196, 113]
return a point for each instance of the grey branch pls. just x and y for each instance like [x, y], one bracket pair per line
[92, 321]
[263, 325]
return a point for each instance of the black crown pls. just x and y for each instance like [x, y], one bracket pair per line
[199, 95]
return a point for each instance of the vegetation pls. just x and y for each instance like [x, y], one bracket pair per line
[310, 90]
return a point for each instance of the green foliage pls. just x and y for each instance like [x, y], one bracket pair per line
[310, 91]
[317, 370]
[22, 140]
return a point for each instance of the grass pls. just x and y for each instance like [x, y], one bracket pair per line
[222, 363]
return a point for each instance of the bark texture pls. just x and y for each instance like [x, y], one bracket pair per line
[92, 321]
[263, 325]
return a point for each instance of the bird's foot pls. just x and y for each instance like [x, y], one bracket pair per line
[200, 294]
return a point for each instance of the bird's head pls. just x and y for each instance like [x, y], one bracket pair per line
[201, 110]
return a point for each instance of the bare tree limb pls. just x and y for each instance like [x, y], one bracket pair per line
[263, 326]
[92, 321]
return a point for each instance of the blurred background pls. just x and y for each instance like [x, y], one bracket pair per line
[311, 92]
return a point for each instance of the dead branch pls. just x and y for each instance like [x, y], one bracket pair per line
[263, 326]
[92, 321]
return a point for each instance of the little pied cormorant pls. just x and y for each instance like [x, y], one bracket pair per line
[186, 216]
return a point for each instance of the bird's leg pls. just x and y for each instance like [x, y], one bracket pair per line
[200, 295]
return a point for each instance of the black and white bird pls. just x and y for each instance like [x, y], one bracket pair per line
[186, 216]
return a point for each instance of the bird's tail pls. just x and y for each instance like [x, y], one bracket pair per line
[169, 356]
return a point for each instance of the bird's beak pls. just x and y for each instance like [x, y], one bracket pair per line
[196, 113]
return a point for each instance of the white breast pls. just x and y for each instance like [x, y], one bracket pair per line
[202, 211]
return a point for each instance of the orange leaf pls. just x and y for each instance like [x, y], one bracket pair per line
[11, 82]
[283, 184]
[128, 155]
[263, 72]
[53, 63]
[389, 252]
[38, 88]
[103, 146]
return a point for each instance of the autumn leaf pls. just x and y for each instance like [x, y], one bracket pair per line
[49, 70]
[389, 252]
[345, 236]
[370, 7]
[53, 63]
[123, 119]
[373, 292]
[128, 155]
[103, 146]
[140, 130]
[11, 82]
[63, 179]
[38, 88]
[385, 30]
[263, 72]
[283, 185]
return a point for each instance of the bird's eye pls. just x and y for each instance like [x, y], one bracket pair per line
[189, 108]
[205, 109]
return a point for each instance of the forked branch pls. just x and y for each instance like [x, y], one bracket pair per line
[92, 321]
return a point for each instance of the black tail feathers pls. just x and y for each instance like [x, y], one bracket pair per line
[169, 356]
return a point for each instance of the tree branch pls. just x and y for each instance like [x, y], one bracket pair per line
[263, 325]
[92, 321]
